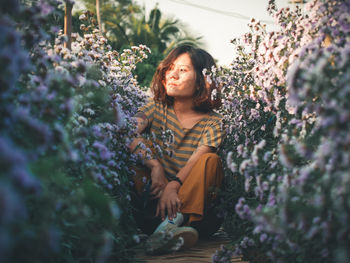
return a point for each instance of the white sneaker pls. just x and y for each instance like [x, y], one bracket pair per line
[172, 239]
[176, 221]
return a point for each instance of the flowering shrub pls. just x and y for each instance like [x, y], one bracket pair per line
[65, 123]
[287, 139]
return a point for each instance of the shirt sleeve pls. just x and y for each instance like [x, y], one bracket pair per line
[147, 110]
[212, 135]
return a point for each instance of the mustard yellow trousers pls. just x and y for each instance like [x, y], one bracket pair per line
[197, 194]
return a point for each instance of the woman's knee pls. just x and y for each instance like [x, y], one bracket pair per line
[213, 166]
[211, 157]
[210, 164]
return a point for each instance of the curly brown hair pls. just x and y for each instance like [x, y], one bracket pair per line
[200, 60]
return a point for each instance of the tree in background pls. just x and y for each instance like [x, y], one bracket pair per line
[161, 35]
[126, 24]
[113, 17]
[98, 15]
[68, 22]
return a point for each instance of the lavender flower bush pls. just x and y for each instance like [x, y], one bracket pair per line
[65, 123]
[287, 155]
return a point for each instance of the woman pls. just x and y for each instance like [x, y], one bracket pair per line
[184, 181]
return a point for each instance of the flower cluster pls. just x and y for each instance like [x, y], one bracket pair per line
[16, 153]
[223, 255]
[107, 96]
[64, 129]
[286, 151]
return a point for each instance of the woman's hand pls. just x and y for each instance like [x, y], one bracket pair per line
[158, 181]
[169, 201]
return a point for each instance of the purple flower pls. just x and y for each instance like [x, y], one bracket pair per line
[12, 204]
[263, 237]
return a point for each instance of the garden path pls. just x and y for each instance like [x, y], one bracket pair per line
[202, 252]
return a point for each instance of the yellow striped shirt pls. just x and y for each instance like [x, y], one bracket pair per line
[208, 131]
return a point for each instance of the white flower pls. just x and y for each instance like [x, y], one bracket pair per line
[233, 167]
[214, 94]
[83, 120]
[102, 83]
[82, 17]
[136, 238]
[209, 79]
[240, 149]
[229, 158]
[244, 165]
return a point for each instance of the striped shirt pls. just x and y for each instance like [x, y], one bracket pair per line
[207, 131]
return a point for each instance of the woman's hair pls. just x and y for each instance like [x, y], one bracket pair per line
[200, 60]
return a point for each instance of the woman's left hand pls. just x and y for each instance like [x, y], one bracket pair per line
[169, 201]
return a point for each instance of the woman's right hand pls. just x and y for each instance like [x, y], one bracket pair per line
[159, 181]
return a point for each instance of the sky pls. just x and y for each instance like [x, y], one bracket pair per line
[217, 21]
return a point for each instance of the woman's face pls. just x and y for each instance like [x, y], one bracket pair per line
[180, 78]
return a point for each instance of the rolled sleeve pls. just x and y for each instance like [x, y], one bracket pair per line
[212, 135]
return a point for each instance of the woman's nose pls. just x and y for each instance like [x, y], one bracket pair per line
[173, 74]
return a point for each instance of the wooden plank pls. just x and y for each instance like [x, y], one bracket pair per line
[202, 252]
